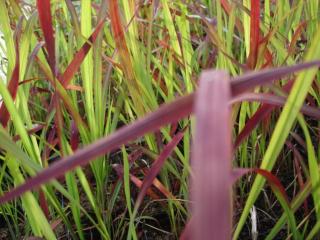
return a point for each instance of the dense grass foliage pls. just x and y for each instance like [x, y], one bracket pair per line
[159, 119]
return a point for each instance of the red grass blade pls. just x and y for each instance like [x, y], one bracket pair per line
[274, 183]
[74, 139]
[274, 100]
[135, 180]
[45, 18]
[156, 167]
[211, 186]
[257, 117]
[80, 56]
[296, 36]
[44, 204]
[52, 141]
[68, 104]
[226, 6]
[58, 123]
[273, 180]
[117, 28]
[158, 185]
[252, 79]
[262, 113]
[34, 53]
[75, 88]
[297, 164]
[119, 36]
[254, 33]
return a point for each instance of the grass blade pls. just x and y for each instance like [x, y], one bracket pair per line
[45, 18]
[313, 166]
[156, 167]
[211, 184]
[80, 56]
[254, 33]
[274, 100]
[252, 79]
[124, 54]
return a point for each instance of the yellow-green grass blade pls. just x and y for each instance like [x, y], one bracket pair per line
[314, 232]
[126, 183]
[267, 13]
[7, 144]
[169, 23]
[246, 26]
[87, 67]
[186, 46]
[39, 224]
[131, 22]
[74, 192]
[295, 204]
[17, 121]
[313, 166]
[221, 60]
[8, 37]
[86, 187]
[138, 60]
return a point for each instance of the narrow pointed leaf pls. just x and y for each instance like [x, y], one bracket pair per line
[257, 117]
[45, 18]
[258, 78]
[135, 180]
[262, 113]
[254, 33]
[156, 167]
[80, 56]
[274, 100]
[122, 47]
